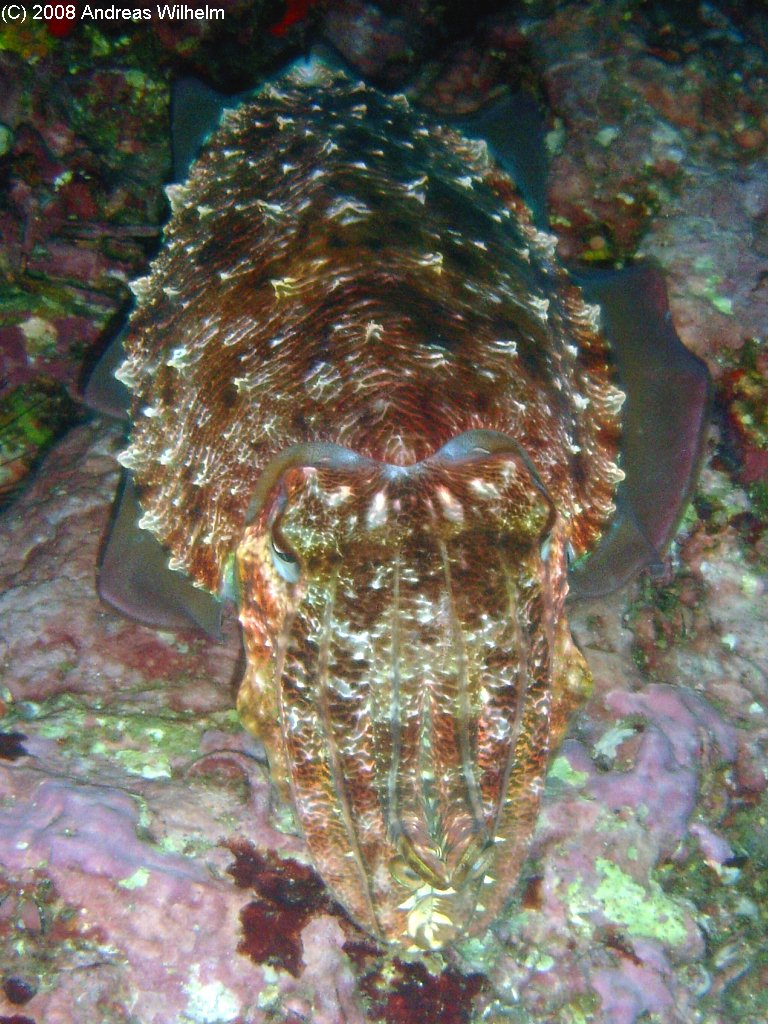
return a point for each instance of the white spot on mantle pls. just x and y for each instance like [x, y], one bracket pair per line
[452, 508]
[377, 512]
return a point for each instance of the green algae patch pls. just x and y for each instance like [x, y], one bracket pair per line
[722, 304]
[32, 417]
[642, 911]
[708, 283]
[137, 880]
[562, 771]
[150, 744]
[581, 1010]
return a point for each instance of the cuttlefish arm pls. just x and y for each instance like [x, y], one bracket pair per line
[665, 416]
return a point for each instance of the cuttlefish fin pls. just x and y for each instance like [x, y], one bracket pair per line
[668, 388]
[665, 416]
[134, 577]
[104, 392]
[514, 128]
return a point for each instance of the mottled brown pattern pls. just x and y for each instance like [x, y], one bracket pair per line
[341, 272]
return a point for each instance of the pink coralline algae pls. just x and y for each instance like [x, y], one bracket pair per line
[85, 828]
[664, 775]
[86, 838]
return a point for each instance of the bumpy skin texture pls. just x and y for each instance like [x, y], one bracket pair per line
[339, 271]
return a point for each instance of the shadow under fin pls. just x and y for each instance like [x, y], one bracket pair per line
[134, 577]
[665, 416]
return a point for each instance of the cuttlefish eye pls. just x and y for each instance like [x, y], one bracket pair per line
[286, 563]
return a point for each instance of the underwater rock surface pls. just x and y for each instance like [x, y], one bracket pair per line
[643, 891]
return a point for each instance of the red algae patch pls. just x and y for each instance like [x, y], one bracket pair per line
[11, 746]
[407, 993]
[289, 894]
[18, 990]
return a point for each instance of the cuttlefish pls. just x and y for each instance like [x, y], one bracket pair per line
[370, 406]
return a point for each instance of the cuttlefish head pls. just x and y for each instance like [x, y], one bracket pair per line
[407, 669]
